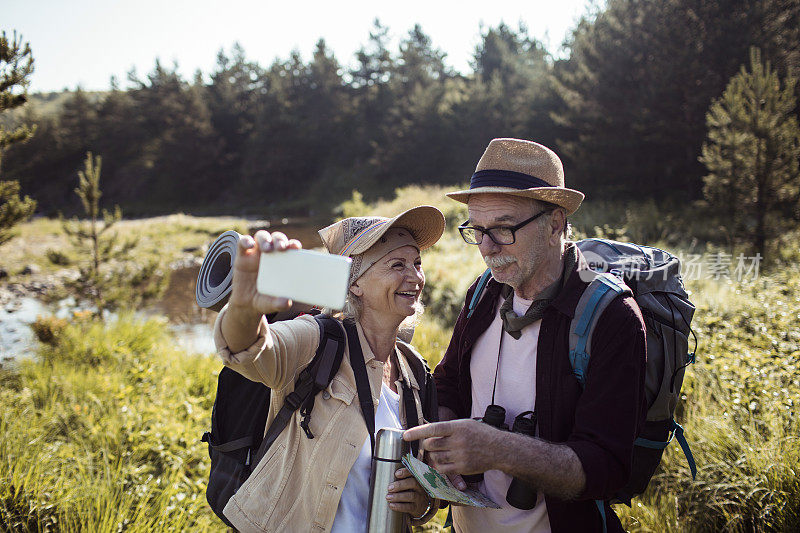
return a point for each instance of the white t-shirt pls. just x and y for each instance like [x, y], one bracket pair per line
[516, 393]
[351, 514]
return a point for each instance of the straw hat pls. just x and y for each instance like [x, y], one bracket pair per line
[521, 168]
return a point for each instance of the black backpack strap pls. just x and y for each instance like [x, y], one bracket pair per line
[323, 368]
[312, 379]
[427, 390]
[362, 380]
[412, 420]
[427, 387]
[238, 444]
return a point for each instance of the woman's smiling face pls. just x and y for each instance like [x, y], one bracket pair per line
[393, 285]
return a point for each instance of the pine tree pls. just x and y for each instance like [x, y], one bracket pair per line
[108, 278]
[13, 209]
[639, 80]
[752, 153]
[16, 65]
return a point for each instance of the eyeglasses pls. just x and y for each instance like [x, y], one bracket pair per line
[502, 235]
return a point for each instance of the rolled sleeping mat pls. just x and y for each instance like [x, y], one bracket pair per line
[216, 273]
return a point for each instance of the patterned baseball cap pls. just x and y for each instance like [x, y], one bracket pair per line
[353, 236]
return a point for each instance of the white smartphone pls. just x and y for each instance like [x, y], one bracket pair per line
[306, 276]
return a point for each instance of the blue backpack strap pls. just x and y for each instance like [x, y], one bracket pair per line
[476, 296]
[601, 506]
[676, 432]
[600, 292]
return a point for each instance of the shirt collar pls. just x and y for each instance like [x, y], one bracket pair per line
[405, 374]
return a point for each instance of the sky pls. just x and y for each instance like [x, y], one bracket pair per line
[82, 42]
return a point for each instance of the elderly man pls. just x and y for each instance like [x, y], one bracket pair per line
[512, 351]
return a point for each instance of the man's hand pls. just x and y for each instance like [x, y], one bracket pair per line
[459, 446]
[468, 446]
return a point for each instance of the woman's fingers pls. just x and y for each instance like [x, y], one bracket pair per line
[406, 495]
[273, 242]
[246, 266]
[409, 501]
[410, 508]
[247, 254]
[264, 240]
[402, 473]
[279, 241]
[404, 485]
[266, 304]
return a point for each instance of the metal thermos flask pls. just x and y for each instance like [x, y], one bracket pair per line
[389, 450]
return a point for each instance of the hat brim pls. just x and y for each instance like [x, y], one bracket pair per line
[569, 199]
[425, 222]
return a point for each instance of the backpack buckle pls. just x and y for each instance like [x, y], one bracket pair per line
[293, 400]
[304, 424]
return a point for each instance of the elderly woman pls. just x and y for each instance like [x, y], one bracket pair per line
[322, 483]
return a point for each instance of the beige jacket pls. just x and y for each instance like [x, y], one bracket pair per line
[298, 483]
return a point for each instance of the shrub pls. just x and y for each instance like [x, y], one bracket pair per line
[48, 329]
[59, 258]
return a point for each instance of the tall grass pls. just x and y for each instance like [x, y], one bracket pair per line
[101, 433]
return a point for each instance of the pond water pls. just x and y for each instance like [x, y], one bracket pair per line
[191, 324]
[16, 337]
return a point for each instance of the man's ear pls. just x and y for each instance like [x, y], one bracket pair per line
[557, 223]
[356, 290]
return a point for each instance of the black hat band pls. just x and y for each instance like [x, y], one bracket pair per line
[505, 178]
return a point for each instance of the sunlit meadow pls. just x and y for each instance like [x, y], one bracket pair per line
[101, 432]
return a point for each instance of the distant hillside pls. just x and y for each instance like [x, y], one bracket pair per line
[44, 105]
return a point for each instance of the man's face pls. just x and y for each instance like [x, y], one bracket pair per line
[512, 264]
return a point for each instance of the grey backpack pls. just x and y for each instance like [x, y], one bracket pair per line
[652, 277]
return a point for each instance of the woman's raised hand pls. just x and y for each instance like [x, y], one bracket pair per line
[244, 296]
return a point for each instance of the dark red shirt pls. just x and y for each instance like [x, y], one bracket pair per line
[599, 423]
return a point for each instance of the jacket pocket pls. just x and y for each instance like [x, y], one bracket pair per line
[340, 390]
[258, 496]
[327, 405]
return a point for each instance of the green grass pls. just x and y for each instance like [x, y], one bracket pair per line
[162, 239]
[101, 431]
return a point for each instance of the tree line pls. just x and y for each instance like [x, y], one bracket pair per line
[626, 110]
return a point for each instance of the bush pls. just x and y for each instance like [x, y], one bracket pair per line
[59, 258]
[48, 329]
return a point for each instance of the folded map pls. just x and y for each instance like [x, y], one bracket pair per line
[438, 486]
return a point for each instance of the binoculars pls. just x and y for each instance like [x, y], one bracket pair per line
[520, 494]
